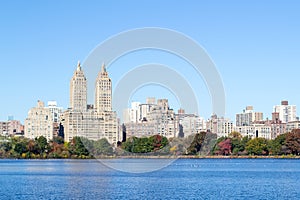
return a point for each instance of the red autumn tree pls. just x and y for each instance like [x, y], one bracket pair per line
[225, 147]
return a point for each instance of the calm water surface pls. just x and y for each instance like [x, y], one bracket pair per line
[183, 179]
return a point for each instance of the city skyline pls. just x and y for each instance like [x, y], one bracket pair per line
[142, 101]
[254, 47]
[149, 99]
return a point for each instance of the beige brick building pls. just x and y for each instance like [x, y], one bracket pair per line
[90, 122]
[39, 122]
[103, 91]
[11, 127]
[150, 119]
[78, 90]
[220, 126]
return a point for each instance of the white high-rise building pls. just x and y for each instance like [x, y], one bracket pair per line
[131, 114]
[126, 115]
[55, 111]
[145, 108]
[287, 113]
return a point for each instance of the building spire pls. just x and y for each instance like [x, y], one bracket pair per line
[103, 68]
[78, 66]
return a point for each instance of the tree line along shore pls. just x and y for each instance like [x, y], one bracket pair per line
[201, 145]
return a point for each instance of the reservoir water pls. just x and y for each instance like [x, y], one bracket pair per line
[182, 179]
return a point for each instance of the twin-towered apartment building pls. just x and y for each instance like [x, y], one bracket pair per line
[143, 119]
[99, 121]
[94, 121]
[91, 121]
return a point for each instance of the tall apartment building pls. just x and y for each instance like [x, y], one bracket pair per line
[286, 112]
[78, 90]
[55, 111]
[248, 116]
[93, 122]
[39, 122]
[139, 111]
[190, 123]
[156, 117]
[150, 118]
[42, 120]
[145, 108]
[163, 118]
[140, 129]
[268, 129]
[292, 125]
[220, 126]
[103, 91]
[132, 114]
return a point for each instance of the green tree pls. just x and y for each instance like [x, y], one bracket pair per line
[197, 143]
[32, 147]
[58, 140]
[77, 148]
[235, 135]
[42, 144]
[278, 145]
[257, 146]
[20, 148]
[238, 143]
[102, 147]
[153, 143]
[208, 144]
[127, 145]
[6, 146]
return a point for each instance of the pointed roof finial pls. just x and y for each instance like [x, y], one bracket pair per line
[103, 68]
[78, 66]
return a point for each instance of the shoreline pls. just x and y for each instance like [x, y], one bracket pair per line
[203, 157]
[164, 157]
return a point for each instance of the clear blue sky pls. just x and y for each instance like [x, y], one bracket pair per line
[254, 44]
